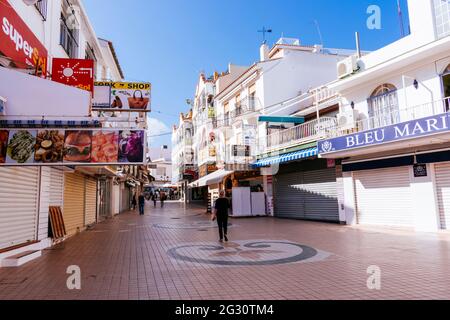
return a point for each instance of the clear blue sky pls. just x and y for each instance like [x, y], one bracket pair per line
[168, 42]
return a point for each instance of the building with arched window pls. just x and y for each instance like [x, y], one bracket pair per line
[395, 146]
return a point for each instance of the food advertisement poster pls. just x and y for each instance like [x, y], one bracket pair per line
[131, 146]
[40, 147]
[3, 145]
[123, 96]
[20, 147]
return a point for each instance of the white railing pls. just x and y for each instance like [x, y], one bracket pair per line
[307, 132]
[395, 117]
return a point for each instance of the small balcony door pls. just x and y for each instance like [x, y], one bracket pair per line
[446, 88]
[383, 107]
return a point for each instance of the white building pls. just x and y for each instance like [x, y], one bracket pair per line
[62, 28]
[393, 133]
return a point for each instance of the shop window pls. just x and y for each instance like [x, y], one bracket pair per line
[383, 107]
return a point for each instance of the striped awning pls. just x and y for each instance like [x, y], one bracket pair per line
[283, 158]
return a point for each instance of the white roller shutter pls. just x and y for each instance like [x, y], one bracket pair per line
[56, 187]
[19, 197]
[443, 193]
[90, 202]
[384, 197]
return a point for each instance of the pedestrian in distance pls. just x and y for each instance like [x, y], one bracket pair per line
[221, 214]
[154, 199]
[141, 204]
[162, 198]
[133, 202]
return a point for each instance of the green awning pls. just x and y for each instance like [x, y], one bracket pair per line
[296, 120]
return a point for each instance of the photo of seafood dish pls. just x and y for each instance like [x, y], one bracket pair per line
[131, 146]
[77, 146]
[3, 145]
[21, 146]
[49, 146]
[105, 147]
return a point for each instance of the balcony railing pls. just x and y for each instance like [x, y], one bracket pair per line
[41, 6]
[395, 117]
[244, 107]
[304, 133]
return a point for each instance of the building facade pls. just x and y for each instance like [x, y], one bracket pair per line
[392, 134]
[87, 194]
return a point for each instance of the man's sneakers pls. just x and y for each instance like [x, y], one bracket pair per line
[226, 238]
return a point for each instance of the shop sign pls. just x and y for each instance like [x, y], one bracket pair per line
[65, 147]
[123, 96]
[77, 73]
[18, 42]
[241, 151]
[399, 132]
[420, 170]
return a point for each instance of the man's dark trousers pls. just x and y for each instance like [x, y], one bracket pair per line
[222, 222]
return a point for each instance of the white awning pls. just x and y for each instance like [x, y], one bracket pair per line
[212, 178]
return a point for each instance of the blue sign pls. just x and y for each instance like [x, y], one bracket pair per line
[402, 131]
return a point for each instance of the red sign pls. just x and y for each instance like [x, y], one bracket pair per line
[77, 73]
[19, 43]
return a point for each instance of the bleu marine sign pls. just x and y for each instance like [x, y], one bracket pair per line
[402, 131]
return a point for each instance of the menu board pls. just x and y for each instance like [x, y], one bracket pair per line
[71, 147]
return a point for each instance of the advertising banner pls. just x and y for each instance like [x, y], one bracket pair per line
[71, 147]
[123, 96]
[18, 42]
[77, 73]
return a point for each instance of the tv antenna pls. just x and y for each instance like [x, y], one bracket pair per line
[264, 31]
[400, 18]
[318, 31]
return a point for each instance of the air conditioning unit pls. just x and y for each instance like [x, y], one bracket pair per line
[347, 67]
[347, 120]
[2, 106]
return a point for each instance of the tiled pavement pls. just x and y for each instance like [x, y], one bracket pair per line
[173, 253]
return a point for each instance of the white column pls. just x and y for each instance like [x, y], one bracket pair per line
[349, 209]
[426, 212]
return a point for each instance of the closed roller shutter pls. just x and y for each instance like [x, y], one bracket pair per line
[384, 197]
[443, 193]
[19, 194]
[56, 187]
[73, 211]
[90, 201]
[310, 195]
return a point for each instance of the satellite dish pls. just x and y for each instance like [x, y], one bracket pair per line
[30, 2]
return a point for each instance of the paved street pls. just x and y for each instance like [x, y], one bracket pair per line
[173, 253]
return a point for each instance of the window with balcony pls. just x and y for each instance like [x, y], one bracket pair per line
[446, 87]
[383, 107]
[68, 38]
[442, 17]
[41, 7]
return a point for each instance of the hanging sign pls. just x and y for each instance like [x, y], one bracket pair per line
[122, 96]
[420, 170]
[77, 73]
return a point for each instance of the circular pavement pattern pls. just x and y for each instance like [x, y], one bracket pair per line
[189, 225]
[244, 253]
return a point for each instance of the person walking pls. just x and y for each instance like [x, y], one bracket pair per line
[221, 214]
[162, 197]
[133, 202]
[141, 204]
[154, 199]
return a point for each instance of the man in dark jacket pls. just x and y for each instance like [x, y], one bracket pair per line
[141, 204]
[221, 211]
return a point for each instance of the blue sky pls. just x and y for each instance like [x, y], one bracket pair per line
[169, 42]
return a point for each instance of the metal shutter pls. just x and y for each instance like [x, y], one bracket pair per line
[383, 197]
[56, 187]
[443, 193]
[19, 194]
[90, 201]
[310, 195]
[288, 201]
[73, 211]
[321, 196]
